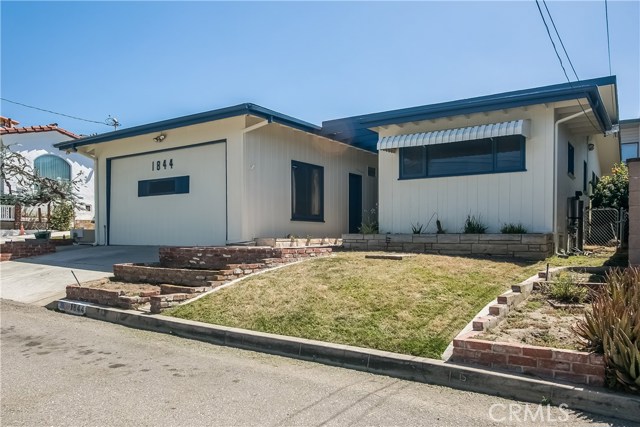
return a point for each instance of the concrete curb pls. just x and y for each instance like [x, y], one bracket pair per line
[395, 365]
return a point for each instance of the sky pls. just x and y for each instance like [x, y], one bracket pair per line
[143, 62]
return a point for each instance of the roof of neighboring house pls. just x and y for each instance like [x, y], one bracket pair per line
[208, 116]
[629, 121]
[357, 131]
[53, 127]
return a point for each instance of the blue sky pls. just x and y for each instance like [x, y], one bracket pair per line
[148, 61]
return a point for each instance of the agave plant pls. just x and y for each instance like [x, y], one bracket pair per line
[612, 328]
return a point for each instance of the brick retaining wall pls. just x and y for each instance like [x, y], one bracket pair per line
[565, 365]
[218, 258]
[527, 246]
[107, 297]
[28, 248]
[153, 273]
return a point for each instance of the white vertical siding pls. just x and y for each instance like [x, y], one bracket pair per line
[268, 152]
[517, 197]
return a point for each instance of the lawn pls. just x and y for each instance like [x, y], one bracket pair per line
[413, 306]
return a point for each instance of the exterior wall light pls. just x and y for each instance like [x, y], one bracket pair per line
[160, 137]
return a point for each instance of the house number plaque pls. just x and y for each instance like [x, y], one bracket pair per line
[157, 165]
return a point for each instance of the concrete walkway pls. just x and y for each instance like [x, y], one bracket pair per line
[41, 280]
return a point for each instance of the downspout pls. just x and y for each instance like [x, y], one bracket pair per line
[96, 201]
[555, 175]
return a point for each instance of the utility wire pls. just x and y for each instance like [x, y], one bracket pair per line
[53, 112]
[560, 38]
[606, 14]
[544, 21]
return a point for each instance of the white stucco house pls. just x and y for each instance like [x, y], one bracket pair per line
[525, 157]
[226, 176]
[35, 143]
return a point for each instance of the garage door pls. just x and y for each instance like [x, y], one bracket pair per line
[175, 197]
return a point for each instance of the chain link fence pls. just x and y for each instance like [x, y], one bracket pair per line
[605, 227]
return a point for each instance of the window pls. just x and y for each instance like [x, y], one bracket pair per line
[371, 171]
[629, 151]
[489, 155]
[584, 177]
[53, 167]
[307, 192]
[571, 160]
[163, 186]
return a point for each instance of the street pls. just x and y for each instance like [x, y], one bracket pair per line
[57, 369]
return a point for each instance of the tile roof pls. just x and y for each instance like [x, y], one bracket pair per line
[42, 128]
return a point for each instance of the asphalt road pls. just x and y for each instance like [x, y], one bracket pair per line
[57, 369]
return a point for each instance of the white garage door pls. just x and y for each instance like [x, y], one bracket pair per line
[175, 197]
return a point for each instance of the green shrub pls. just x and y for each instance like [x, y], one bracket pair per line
[369, 221]
[513, 229]
[474, 225]
[612, 328]
[61, 217]
[566, 289]
[612, 191]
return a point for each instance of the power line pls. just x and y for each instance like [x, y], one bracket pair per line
[606, 14]
[544, 21]
[560, 38]
[53, 112]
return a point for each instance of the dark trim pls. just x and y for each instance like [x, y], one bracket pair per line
[463, 174]
[629, 121]
[108, 234]
[182, 147]
[494, 152]
[108, 174]
[307, 218]
[208, 116]
[181, 186]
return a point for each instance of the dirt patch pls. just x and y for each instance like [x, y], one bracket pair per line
[129, 289]
[536, 322]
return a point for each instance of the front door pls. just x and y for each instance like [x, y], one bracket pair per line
[355, 202]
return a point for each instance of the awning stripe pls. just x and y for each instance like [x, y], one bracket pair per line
[515, 127]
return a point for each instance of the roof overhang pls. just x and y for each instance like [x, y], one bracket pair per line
[515, 127]
[209, 116]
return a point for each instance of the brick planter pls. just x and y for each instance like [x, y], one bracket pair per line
[28, 248]
[109, 298]
[154, 273]
[566, 365]
[218, 258]
[526, 246]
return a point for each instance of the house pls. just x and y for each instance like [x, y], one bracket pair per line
[630, 138]
[226, 176]
[526, 157]
[35, 143]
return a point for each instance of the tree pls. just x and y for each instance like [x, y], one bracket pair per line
[26, 187]
[612, 191]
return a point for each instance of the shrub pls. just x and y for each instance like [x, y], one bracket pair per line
[513, 229]
[439, 227]
[61, 217]
[474, 225]
[566, 289]
[369, 221]
[417, 228]
[612, 328]
[612, 191]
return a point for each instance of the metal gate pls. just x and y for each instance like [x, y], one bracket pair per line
[605, 227]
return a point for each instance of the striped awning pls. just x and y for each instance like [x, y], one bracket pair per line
[515, 127]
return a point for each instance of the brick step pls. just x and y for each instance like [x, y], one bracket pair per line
[522, 288]
[176, 289]
[510, 298]
[498, 310]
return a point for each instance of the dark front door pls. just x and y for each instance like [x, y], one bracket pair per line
[355, 202]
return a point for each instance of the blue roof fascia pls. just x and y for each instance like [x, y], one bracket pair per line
[208, 116]
[629, 121]
[352, 127]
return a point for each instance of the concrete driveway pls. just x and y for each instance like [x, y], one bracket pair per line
[41, 280]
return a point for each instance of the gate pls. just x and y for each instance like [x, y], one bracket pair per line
[605, 227]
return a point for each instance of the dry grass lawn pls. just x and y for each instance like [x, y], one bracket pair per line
[414, 306]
